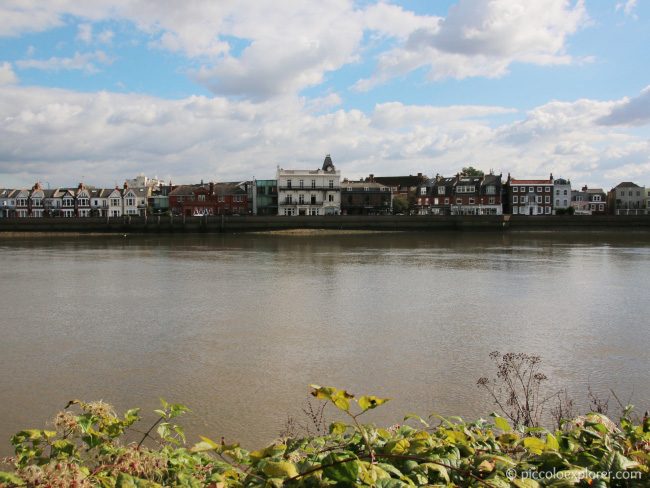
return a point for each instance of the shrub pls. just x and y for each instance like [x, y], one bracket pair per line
[87, 449]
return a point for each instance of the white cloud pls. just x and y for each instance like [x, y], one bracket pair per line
[627, 7]
[630, 111]
[113, 136]
[86, 62]
[85, 33]
[7, 75]
[483, 38]
[106, 36]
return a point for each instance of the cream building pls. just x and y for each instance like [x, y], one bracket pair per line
[310, 192]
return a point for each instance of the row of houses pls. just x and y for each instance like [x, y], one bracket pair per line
[321, 191]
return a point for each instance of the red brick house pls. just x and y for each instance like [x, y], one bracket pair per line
[209, 199]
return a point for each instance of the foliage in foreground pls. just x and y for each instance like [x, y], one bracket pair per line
[87, 449]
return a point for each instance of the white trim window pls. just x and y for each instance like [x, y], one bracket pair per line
[515, 189]
[515, 199]
[548, 210]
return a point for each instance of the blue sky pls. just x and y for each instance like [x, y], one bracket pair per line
[229, 90]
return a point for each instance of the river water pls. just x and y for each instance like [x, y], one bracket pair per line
[238, 326]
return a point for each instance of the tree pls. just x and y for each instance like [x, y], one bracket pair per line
[472, 171]
[400, 205]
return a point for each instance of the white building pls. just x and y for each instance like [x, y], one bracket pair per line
[310, 192]
[561, 194]
[142, 181]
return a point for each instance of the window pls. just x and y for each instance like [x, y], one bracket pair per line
[313, 183]
[366, 188]
[330, 198]
[471, 201]
[423, 191]
[515, 189]
[492, 200]
[601, 207]
[557, 192]
[115, 202]
[301, 183]
[566, 204]
[446, 201]
[201, 198]
[435, 201]
[37, 202]
[313, 199]
[441, 190]
[548, 210]
[596, 198]
[523, 199]
[289, 200]
[557, 202]
[515, 199]
[465, 189]
[565, 192]
[547, 199]
[288, 183]
[538, 199]
[459, 201]
[222, 199]
[547, 189]
[531, 188]
[130, 202]
[490, 190]
[515, 210]
[539, 189]
[301, 199]
[331, 183]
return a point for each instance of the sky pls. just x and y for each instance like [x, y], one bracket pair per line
[104, 90]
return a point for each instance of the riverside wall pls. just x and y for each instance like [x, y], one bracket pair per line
[235, 224]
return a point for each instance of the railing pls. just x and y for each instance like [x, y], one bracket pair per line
[308, 188]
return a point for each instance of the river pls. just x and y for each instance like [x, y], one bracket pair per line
[238, 326]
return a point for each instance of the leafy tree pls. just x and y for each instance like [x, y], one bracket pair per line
[472, 171]
[400, 205]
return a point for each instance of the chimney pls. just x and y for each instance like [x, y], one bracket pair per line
[372, 178]
[126, 185]
[584, 188]
[80, 186]
[551, 177]
[211, 188]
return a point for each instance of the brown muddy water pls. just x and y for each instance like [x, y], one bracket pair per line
[237, 326]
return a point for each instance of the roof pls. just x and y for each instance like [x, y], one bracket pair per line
[561, 181]
[184, 190]
[228, 188]
[328, 165]
[530, 182]
[361, 185]
[627, 184]
[403, 181]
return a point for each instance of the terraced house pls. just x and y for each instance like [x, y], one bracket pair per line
[529, 197]
[365, 198]
[627, 198]
[460, 195]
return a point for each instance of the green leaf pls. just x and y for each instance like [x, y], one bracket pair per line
[280, 469]
[416, 417]
[502, 424]
[6, 477]
[343, 472]
[127, 481]
[338, 428]
[552, 443]
[397, 447]
[368, 402]
[534, 445]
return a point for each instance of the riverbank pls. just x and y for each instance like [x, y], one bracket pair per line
[302, 224]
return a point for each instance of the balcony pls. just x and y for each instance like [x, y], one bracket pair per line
[309, 188]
